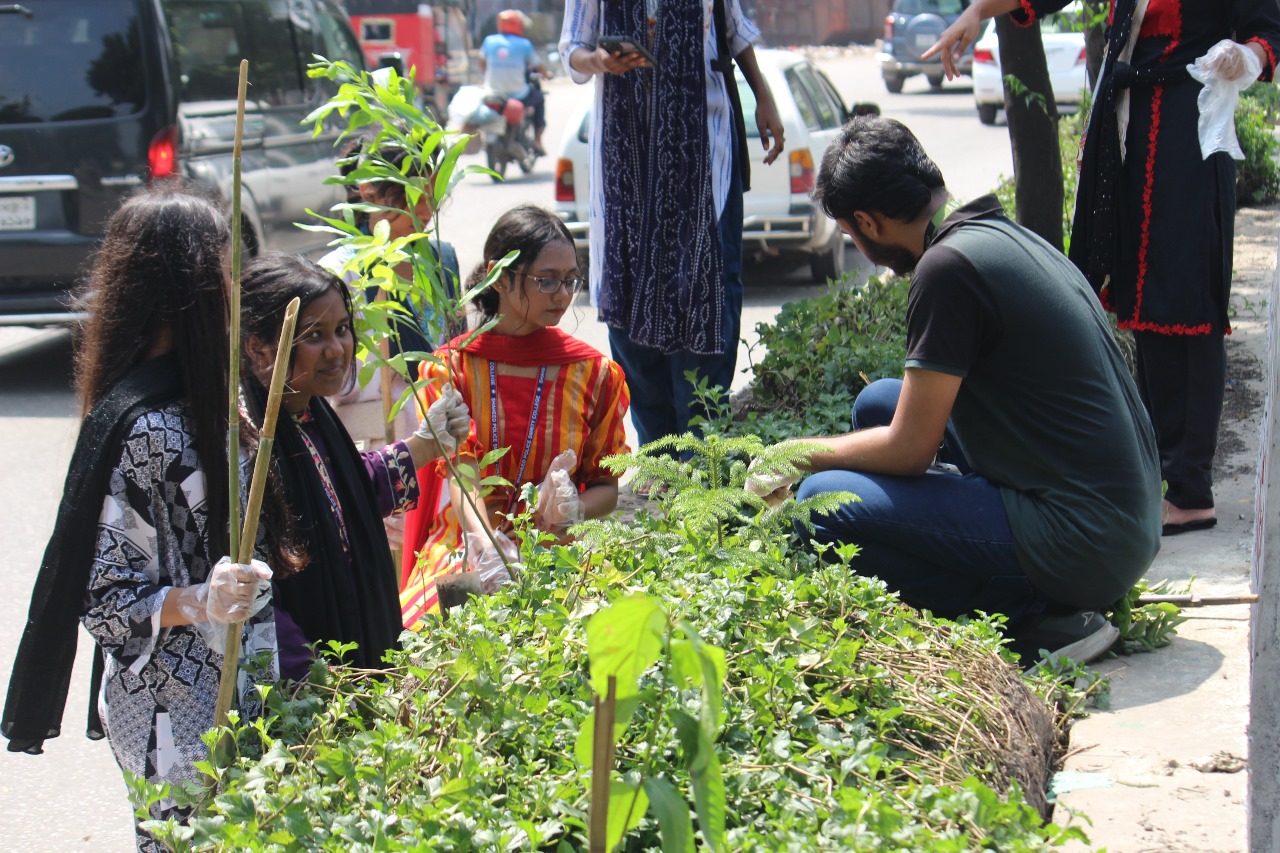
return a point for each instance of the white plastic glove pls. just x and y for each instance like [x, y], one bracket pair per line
[769, 483]
[233, 593]
[490, 565]
[1227, 69]
[449, 417]
[559, 506]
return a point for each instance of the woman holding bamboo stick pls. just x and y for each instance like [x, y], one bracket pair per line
[556, 402]
[337, 496]
[143, 520]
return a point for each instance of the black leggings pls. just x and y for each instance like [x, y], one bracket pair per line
[1182, 379]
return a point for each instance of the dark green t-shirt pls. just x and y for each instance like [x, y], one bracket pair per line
[1047, 409]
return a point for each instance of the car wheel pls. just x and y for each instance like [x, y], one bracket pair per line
[893, 82]
[936, 80]
[828, 263]
[987, 113]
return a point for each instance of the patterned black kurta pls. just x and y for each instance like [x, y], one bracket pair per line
[161, 684]
[1177, 210]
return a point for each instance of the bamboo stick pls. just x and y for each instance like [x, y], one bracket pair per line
[602, 768]
[257, 487]
[233, 374]
[1189, 600]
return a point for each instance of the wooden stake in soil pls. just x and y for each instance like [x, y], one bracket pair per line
[267, 437]
[602, 768]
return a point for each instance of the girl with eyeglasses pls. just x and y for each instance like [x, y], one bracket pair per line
[556, 402]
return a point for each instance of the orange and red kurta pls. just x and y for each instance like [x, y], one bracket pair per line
[581, 408]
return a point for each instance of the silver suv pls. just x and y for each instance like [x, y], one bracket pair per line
[911, 28]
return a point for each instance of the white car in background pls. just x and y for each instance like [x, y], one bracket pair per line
[1064, 51]
[778, 216]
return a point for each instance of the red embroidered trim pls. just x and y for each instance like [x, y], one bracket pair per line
[1144, 242]
[1269, 72]
[1175, 329]
[1026, 10]
[1162, 19]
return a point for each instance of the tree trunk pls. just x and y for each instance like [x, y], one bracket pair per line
[1095, 37]
[1033, 129]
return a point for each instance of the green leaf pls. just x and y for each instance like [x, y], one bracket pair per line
[708, 795]
[675, 821]
[627, 805]
[623, 640]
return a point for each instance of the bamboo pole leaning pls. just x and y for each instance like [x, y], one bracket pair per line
[257, 487]
[233, 369]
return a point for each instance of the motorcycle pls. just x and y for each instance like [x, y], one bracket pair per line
[504, 126]
[510, 139]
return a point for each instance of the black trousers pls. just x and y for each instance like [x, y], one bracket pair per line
[1182, 379]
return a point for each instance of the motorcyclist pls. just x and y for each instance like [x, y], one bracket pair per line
[506, 59]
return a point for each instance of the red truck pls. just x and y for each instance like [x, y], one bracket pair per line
[407, 34]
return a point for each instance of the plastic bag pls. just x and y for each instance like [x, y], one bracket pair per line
[467, 110]
[1225, 71]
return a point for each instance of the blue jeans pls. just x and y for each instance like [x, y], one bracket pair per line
[662, 401]
[941, 540]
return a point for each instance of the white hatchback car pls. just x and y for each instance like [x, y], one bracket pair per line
[1064, 51]
[778, 216]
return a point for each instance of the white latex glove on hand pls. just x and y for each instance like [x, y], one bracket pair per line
[1230, 60]
[770, 484]
[490, 564]
[450, 420]
[1227, 69]
[559, 506]
[233, 593]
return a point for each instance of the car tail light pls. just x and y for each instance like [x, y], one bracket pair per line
[564, 180]
[801, 171]
[1083, 57]
[984, 55]
[888, 28]
[162, 154]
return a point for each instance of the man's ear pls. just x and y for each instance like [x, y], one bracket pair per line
[867, 223]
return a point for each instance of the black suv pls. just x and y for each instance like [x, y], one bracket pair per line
[100, 97]
[911, 28]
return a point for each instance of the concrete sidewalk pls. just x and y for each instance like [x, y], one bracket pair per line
[1169, 758]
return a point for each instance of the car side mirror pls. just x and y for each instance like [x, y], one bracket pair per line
[865, 108]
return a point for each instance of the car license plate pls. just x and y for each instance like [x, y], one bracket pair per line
[17, 213]
[924, 41]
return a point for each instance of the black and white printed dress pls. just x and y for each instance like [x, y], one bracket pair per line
[161, 684]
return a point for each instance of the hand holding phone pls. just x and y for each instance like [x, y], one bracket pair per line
[618, 45]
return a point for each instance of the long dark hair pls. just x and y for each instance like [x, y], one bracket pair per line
[269, 282]
[527, 229]
[158, 278]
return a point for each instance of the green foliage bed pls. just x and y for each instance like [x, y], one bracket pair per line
[830, 716]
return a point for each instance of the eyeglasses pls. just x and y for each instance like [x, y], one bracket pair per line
[553, 285]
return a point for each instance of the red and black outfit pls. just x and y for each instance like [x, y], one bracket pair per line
[1153, 229]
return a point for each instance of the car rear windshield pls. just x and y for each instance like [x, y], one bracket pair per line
[929, 7]
[69, 60]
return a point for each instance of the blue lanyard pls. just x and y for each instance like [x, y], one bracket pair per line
[528, 439]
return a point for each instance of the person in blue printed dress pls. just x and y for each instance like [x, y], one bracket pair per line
[667, 174]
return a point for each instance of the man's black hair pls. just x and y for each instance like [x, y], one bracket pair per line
[876, 165]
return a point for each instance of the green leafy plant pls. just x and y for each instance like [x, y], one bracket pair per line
[1257, 176]
[837, 718]
[1146, 627]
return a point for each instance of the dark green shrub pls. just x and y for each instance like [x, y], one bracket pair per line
[1257, 177]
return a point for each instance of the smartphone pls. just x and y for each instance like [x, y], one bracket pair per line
[622, 44]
